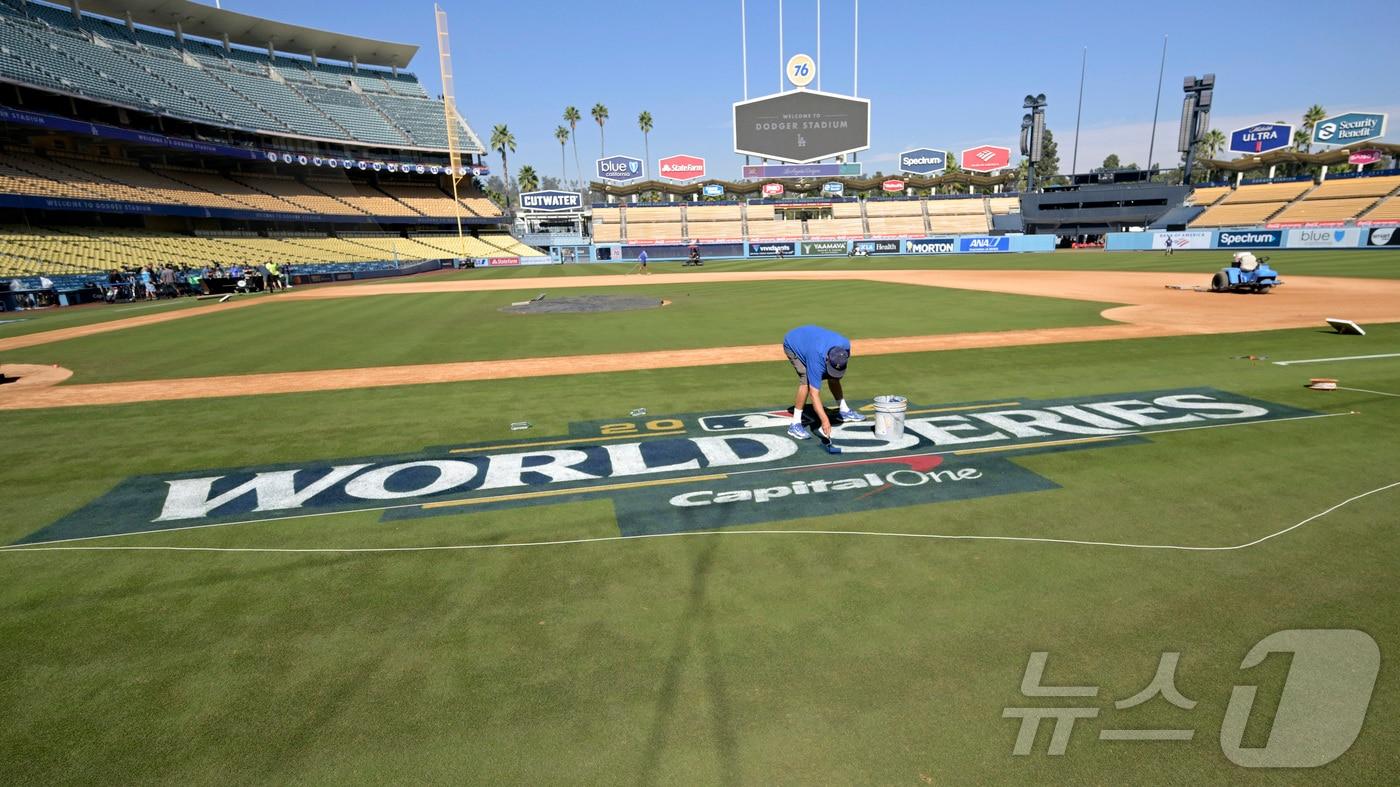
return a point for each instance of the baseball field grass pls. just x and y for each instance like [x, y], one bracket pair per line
[791, 651]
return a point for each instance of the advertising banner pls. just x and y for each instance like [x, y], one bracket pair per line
[1322, 238]
[984, 243]
[1384, 236]
[823, 248]
[1261, 138]
[1194, 239]
[986, 158]
[1350, 128]
[833, 188]
[762, 171]
[618, 169]
[1247, 239]
[550, 200]
[772, 248]
[1361, 157]
[681, 167]
[772, 189]
[877, 246]
[893, 184]
[923, 161]
[931, 246]
[713, 190]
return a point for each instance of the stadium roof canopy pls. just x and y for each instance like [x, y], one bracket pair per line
[215, 23]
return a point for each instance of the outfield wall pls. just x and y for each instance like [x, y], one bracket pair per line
[944, 244]
[1310, 238]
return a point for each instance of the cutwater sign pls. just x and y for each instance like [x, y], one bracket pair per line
[1261, 138]
[984, 244]
[923, 161]
[931, 246]
[1249, 239]
[619, 169]
[694, 471]
[551, 200]
[1349, 128]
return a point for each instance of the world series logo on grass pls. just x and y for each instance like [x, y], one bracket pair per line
[689, 472]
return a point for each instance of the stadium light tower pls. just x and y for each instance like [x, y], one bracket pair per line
[1195, 118]
[1032, 135]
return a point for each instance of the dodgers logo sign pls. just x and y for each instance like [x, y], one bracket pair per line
[1349, 128]
[923, 161]
[1261, 138]
[619, 169]
[550, 200]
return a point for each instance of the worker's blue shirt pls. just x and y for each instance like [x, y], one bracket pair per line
[642, 257]
[811, 343]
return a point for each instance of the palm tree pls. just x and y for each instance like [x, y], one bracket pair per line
[1314, 115]
[572, 117]
[527, 179]
[1210, 146]
[644, 123]
[501, 141]
[562, 134]
[600, 114]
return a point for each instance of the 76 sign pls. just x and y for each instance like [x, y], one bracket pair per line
[801, 70]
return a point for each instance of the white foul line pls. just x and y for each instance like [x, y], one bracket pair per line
[1364, 390]
[1341, 358]
[600, 539]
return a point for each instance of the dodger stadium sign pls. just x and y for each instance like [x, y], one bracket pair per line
[687, 472]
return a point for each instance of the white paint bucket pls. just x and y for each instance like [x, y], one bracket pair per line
[889, 416]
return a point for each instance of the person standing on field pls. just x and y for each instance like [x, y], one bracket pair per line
[818, 354]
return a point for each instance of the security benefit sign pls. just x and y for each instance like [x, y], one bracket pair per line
[551, 201]
[1350, 128]
[687, 472]
[801, 126]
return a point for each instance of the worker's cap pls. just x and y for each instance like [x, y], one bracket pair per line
[836, 360]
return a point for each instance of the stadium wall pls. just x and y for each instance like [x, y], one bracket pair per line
[1316, 238]
[947, 244]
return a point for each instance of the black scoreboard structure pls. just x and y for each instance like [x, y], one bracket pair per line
[801, 126]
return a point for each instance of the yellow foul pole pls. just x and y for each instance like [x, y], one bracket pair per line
[449, 108]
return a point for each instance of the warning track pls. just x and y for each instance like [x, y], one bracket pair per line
[1149, 309]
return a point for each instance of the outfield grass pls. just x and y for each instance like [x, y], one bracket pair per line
[443, 327]
[1356, 263]
[764, 659]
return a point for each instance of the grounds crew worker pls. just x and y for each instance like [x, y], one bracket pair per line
[818, 354]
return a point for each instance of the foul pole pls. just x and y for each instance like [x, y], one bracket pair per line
[449, 108]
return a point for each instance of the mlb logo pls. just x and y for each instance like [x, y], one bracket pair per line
[743, 422]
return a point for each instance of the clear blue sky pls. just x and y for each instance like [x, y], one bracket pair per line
[941, 75]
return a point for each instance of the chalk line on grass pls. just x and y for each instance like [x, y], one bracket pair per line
[697, 533]
[1365, 390]
[1339, 358]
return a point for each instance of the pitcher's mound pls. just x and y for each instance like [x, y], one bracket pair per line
[26, 375]
[584, 304]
